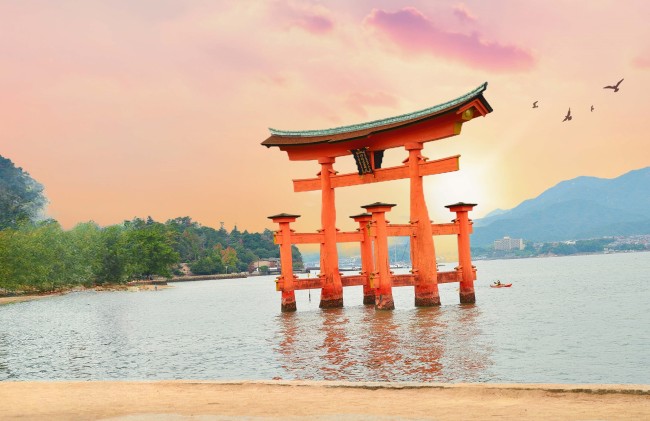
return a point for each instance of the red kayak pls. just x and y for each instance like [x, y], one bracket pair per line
[500, 286]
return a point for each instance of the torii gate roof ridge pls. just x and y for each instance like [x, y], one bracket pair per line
[343, 133]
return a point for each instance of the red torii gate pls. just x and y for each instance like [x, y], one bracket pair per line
[367, 142]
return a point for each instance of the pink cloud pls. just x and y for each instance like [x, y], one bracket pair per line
[315, 24]
[413, 32]
[642, 62]
[358, 101]
[314, 19]
[463, 14]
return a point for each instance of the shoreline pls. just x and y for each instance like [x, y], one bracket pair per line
[275, 400]
[113, 287]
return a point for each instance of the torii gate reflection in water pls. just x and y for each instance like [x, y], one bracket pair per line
[367, 143]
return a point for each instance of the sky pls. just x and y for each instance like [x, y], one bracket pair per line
[136, 108]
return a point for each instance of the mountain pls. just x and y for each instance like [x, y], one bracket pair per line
[580, 208]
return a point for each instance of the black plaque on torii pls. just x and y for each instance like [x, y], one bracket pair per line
[362, 158]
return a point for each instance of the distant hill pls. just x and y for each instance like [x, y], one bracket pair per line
[580, 208]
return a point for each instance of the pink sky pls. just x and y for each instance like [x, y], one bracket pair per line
[157, 107]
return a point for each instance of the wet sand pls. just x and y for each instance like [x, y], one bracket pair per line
[136, 288]
[21, 298]
[280, 400]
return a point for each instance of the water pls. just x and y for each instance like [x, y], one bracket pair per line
[580, 319]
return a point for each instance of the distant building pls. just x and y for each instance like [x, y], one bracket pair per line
[507, 244]
[272, 263]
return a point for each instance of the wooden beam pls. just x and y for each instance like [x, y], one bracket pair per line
[349, 237]
[400, 230]
[404, 280]
[383, 174]
[444, 229]
[307, 238]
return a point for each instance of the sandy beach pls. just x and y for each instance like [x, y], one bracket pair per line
[275, 400]
[136, 288]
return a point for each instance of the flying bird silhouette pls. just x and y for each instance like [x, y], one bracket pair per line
[567, 117]
[535, 104]
[615, 87]
[592, 108]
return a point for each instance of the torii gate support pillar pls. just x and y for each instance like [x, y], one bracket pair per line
[332, 291]
[423, 255]
[367, 266]
[383, 281]
[464, 255]
[285, 281]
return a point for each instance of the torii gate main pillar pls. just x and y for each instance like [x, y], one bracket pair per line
[332, 292]
[423, 255]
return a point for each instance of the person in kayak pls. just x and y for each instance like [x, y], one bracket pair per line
[497, 282]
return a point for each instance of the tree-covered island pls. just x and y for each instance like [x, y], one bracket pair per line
[38, 255]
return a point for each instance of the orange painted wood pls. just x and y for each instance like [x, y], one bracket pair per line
[319, 238]
[383, 174]
[444, 229]
[403, 280]
[307, 238]
[400, 230]
[308, 283]
[406, 280]
[447, 277]
[441, 127]
[349, 237]
[332, 292]
[354, 280]
[405, 230]
[422, 247]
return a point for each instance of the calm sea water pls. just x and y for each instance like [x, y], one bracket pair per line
[581, 319]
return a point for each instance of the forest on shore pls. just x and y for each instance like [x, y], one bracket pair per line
[38, 255]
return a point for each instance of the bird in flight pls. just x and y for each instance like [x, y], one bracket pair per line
[592, 108]
[567, 117]
[614, 87]
[535, 104]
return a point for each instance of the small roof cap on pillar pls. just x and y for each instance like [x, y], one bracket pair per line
[379, 204]
[460, 205]
[361, 215]
[283, 216]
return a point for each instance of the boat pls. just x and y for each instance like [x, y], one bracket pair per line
[500, 285]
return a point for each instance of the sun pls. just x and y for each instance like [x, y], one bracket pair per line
[469, 185]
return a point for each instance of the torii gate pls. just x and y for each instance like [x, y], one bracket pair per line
[367, 143]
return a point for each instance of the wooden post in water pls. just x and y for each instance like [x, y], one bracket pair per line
[423, 255]
[464, 255]
[382, 277]
[332, 291]
[367, 267]
[285, 281]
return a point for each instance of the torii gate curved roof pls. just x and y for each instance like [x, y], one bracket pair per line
[450, 114]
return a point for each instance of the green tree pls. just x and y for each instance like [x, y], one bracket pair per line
[112, 258]
[209, 264]
[21, 197]
[230, 260]
[149, 247]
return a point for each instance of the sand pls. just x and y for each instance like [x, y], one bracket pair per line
[21, 298]
[286, 400]
[136, 288]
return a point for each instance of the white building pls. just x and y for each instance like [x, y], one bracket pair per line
[507, 244]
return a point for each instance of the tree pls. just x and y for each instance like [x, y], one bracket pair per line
[21, 197]
[150, 249]
[209, 264]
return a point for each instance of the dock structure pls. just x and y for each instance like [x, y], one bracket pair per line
[366, 142]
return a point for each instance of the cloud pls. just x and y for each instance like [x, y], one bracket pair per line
[415, 33]
[463, 14]
[358, 101]
[313, 19]
[642, 61]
